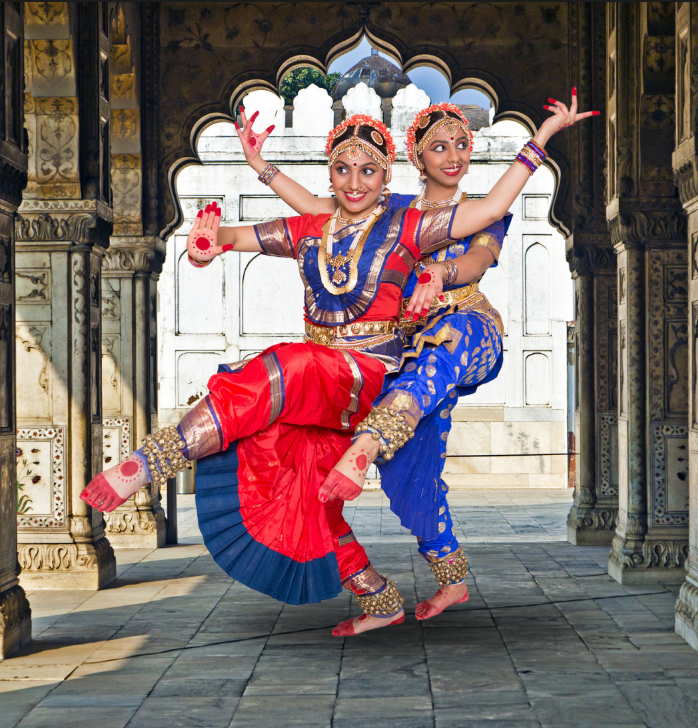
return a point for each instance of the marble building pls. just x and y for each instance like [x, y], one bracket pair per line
[226, 312]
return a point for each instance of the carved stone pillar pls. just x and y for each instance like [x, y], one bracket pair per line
[15, 614]
[60, 246]
[130, 272]
[649, 234]
[593, 517]
[129, 297]
[62, 233]
[685, 163]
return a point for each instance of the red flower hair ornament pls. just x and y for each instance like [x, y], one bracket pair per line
[427, 122]
[362, 133]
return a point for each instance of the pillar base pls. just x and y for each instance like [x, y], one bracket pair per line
[647, 561]
[137, 524]
[686, 621]
[15, 621]
[591, 526]
[67, 565]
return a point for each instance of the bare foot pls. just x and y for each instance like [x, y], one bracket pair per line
[108, 490]
[346, 479]
[364, 623]
[445, 597]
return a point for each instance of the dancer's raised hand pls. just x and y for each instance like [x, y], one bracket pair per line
[562, 117]
[250, 140]
[202, 243]
[429, 285]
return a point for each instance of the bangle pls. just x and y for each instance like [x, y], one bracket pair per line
[531, 156]
[451, 271]
[196, 263]
[268, 174]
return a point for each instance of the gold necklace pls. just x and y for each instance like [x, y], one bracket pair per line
[423, 204]
[325, 256]
[349, 221]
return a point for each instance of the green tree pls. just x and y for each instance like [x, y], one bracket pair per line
[300, 78]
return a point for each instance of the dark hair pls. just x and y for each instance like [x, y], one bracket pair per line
[368, 134]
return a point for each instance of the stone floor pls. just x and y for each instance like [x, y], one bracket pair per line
[547, 639]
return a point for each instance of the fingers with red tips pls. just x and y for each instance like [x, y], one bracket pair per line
[425, 311]
[441, 298]
[227, 247]
[207, 208]
[552, 101]
[271, 128]
[545, 106]
[236, 125]
[595, 113]
[219, 211]
[254, 116]
[574, 90]
[199, 213]
[415, 317]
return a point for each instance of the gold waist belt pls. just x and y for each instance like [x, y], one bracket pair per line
[326, 335]
[451, 298]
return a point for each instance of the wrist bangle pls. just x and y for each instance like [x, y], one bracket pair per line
[268, 174]
[196, 263]
[451, 271]
[531, 156]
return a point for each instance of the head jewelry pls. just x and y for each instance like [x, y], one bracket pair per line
[361, 133]
[427, 122]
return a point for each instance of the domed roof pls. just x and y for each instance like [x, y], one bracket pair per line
[377, 73]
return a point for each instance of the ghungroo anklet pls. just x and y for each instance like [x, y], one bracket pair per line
[451, 569]
[389, 427]
[164, 453]
[384, 603]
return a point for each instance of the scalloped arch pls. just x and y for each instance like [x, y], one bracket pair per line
[470, 59]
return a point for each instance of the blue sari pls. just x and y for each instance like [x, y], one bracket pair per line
[455, 349]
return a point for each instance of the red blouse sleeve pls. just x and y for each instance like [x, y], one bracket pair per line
[280, 238]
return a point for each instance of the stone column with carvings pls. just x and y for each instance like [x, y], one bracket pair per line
[62, 233]
[130, 273]
[129, 347]
[15, 614]
[649, 234]
[594, 515]
[685, 163]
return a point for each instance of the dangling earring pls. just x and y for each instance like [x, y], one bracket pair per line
[422, 174]
[330, 188]
[386, 191]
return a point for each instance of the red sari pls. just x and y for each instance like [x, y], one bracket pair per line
[273, 427]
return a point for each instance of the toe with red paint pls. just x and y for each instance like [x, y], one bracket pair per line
[99, 494]
[427, 610]
[346, 628]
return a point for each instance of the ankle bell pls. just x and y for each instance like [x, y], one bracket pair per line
[450, 569]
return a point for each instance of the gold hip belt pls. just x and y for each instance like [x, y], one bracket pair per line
[451, 298]
[326, 335]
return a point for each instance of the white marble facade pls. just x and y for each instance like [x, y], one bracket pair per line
[243, 303]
